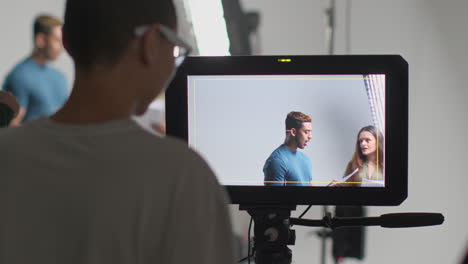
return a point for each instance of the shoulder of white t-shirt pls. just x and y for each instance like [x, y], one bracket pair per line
[146, 126]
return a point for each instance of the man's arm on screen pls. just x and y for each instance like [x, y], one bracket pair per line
[275, 173]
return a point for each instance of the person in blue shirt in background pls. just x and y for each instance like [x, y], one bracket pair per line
[39, 88]
[287, 166]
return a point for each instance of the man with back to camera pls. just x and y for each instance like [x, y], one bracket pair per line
[88, 185]
[39, 88]
[287, 166]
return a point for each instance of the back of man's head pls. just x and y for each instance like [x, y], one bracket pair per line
[45, 24]
[295, 120]
[99, 31]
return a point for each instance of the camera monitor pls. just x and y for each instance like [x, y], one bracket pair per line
[291, 130]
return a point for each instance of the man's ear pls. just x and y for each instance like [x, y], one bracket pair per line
[40, 40]
[149, 44]
[293, 132]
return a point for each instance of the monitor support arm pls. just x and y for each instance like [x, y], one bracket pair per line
[272, 232]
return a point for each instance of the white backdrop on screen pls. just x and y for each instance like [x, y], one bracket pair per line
[250, 111]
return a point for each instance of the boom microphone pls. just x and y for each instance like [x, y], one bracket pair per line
[395, 220]
[410, 219]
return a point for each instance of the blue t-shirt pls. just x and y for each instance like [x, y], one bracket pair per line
[40, 89]
[286, 167]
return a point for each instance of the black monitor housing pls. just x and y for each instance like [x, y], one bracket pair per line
[216, 104]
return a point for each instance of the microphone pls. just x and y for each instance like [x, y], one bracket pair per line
[397, 220]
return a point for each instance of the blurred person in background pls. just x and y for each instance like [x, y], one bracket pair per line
[39, 88]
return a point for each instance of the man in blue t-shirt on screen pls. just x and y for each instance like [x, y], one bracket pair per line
[39, 88]
[287, 166]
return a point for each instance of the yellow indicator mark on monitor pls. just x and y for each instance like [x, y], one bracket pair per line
[284, 60]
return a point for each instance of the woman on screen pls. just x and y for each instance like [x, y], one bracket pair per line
[367, 164]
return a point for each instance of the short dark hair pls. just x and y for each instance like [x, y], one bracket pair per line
[295, 120]
[99, 31]
[45, 24]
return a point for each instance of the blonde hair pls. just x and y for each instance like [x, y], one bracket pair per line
[45, 24]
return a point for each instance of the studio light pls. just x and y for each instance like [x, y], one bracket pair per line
[209, 27]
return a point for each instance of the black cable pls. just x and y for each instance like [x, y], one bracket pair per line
[306, 210]
[242, 260]
[248, 244]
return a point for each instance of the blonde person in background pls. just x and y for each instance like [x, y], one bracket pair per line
[39, 88]
[367, 163]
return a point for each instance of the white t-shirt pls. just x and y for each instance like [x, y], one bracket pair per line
[108, 193]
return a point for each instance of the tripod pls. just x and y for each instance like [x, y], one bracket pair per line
[273, 233]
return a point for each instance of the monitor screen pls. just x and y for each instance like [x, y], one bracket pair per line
[238, 120]
[291, 132]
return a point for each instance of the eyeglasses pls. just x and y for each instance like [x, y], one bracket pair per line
[181, 48]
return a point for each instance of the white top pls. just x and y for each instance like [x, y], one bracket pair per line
[108, 193]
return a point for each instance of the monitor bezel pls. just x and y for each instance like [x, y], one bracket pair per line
[395, 69]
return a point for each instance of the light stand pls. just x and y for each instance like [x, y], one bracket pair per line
[330, 43]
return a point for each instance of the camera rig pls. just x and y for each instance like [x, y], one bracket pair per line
[273, 233]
